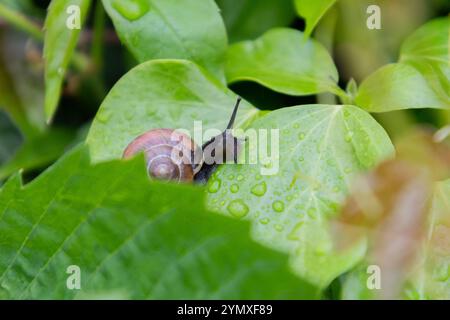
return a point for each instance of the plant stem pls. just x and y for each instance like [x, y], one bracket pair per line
[21, 22]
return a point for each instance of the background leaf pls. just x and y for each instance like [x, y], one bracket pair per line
[21, 85]
[131, 236]
[312, 12]
[38, 152]
[60, 43]
[10, 138]
[178, 29]
[421, 78]
[161, 94]
[431, 276]
[284, 61]
[248, 19]
[321, 149]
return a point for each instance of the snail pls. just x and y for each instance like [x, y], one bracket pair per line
[173, 155]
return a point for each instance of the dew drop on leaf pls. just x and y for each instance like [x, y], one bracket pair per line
[103, 116]
[301, 136]
[234, 188]
[214, 186]
[278, 206]
[279, 227]
[312, 213]
[264, 221]
[237, 208]
[259, 189]
[349, 136]
[131, 9]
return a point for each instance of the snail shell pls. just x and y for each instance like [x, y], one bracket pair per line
[169, 154]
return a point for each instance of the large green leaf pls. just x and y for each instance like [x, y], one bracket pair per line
[130, 236]
[161, 94]
[248, 19]
[178, 29]
[312, 11]
[59, 45]
[284, 61]
[421, 78]
[321, 149]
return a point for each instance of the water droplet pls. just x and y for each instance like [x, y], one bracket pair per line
[264, 221]
[279, 227]
[234, 188]
[278, 206]
[301, 136]
[259, 189]
[103, 116]
[349, 136]
[301, 159]
[214, 186]
[240, 177]
[131, 9]
[296, 126]
[258, 177]
[231, 177]
[294, 234]
[60, 71]
[289, 198]
[237, 208]
[222, 203]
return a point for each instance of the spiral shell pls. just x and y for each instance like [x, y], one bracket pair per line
[170, 155]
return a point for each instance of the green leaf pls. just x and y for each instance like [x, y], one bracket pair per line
[321, 149]
[312, 12]
[248, 19]
[161, 94]
[284, 61]
[10, 138]
[21, 87]
[131, 238]
[59, 46]
[421, 78]
[38, 152]
[177, 29]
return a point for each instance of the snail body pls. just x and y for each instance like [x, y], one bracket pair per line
[173, 155]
